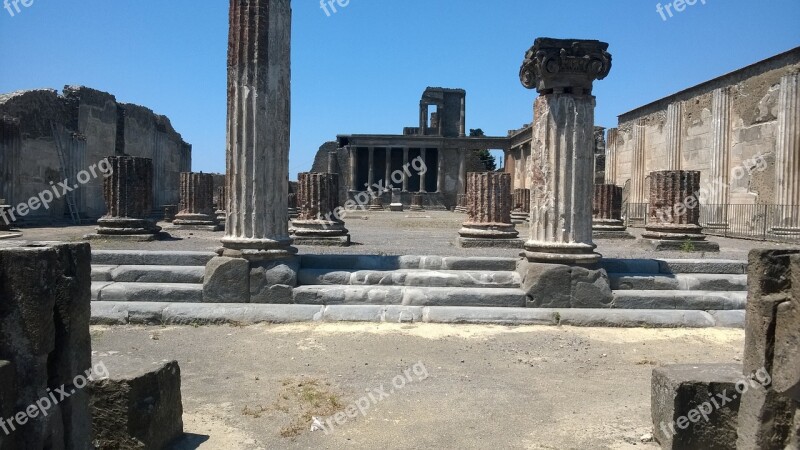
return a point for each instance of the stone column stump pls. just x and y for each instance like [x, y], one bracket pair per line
[397, 201]
[319, 222]
[376, 204]
[461, 204]
[197, 203]
[222, 202]
[417, 202]
[489, 212]
[607, 220]
[674, 213]
[170, 211]
[521, 204]
[128, 194]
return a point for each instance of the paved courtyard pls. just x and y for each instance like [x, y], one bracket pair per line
[408, 233]
[471, 387]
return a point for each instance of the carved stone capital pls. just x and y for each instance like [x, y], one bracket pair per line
[565, 65]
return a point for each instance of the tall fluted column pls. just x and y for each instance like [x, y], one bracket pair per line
[720, 157]
[674, 134]
[128, 192]
[353, 168]
[320, 220]
[423, 153]
[462, 125]
[440, 171]
[787, 158]
[462, 171]
[371, 171]
[674, 212]
[489, 212]
[607, 213]
[259, 76]
[562, 156]
[387, 176]
[638, 159]
[405, 164]
[611, 156]
[197, 203]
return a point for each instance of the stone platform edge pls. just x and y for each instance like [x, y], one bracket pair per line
[191, 314]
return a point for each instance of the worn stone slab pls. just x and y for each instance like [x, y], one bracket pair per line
[217, 314]
[489, 315]
[159, 258]
[640, 266]
[227, 280]
[729, 319]
[681, 281]
[717, 266]
[102, 272]
[700, 300]
[411, 277]
[385, 263]
[150, 292]
[634, 318]
[687, 410]
[157, 274]
[141, 410]
[464, 242]
[408, 296]
[562, 286]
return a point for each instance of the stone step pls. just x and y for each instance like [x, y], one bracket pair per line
[674, 266]
[150, 258]
[408, 296]
[680, 282]
[103, 291]
[149, 274]
[385, 263]
[683, 300]
[411, 277]
[192, 314]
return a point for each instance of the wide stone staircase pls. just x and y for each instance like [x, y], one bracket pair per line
[696, 292]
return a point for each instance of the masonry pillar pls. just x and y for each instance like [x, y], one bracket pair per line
[720, 156]
[353, 168]
[423, 153]
[405, 164]
[294, 212]
[787, 158]
[320, 221]
[417, 203]
[197, 203]
[674, 212]
[387, 177]
[256, 263]
[221, 214]
[371, 171]
[607, 213]
[563, 72]
[673, 131]
[461, 204]
[440, 171]
[489, 212]
[521, 206]
[128, 192]
[462, 170]
[462, 125]
[636, 197]
[423, 119]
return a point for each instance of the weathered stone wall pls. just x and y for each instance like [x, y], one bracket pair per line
[718, 128]
[108, 128]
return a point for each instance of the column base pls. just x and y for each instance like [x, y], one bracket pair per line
[416, 208]
[464, 242]
[137, 230]
[320, 233]
[610, 229]
[561, 253]
[256, 249]
[683, 245]
[488, 231]
[396, 207]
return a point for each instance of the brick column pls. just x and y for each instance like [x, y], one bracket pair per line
[128, 194]
[673, 221]
[197, 203]
[489, 212]
[607, 213]
[562, 153]
[320, 221]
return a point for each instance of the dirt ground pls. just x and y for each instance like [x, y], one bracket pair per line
[420, 386]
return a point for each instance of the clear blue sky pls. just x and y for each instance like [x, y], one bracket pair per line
[363, 69]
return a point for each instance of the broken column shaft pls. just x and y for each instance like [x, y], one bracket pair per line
[320, 221]
[128, 193]
[489, 212]
[197, 203]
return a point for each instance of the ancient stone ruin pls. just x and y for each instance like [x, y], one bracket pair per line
[319, 221]
[197, 203]
[607, 220]
[488, 212]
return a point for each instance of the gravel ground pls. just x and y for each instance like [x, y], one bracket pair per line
[427, 233]
[495, 387]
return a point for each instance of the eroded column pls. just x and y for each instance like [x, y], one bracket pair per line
[674, 212]
[128, 193]
[607, 213]
[673, 133]
[611, 156]
[787, 158]
[423, 154]
[562, 156]
[320, 220]
[720, 153]
[488, 203]
[197, 203]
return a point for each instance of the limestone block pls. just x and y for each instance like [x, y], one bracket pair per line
[227, 280]
[695, 406]
[140, 411]
[561, 286]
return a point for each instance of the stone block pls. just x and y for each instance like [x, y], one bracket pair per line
[765, 420]
[695, 406]
[560, 286]
[7, 400]
[138, 411]
[227, 280]
[273, 281]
